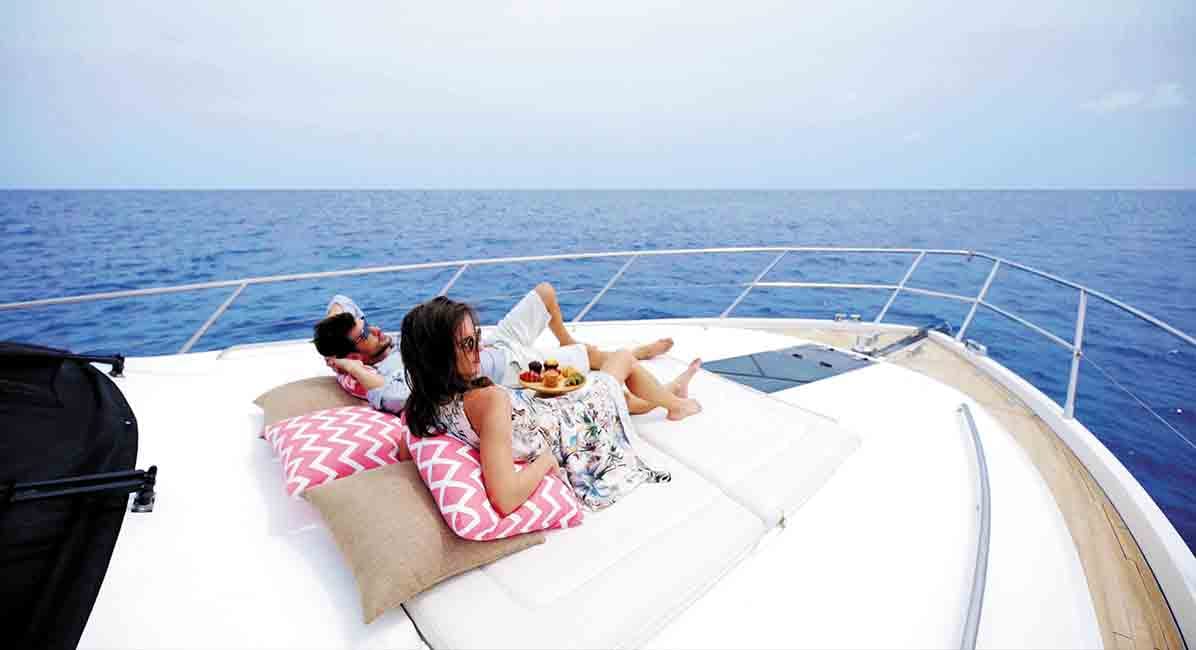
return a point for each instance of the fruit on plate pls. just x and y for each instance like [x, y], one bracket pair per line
[575, 380]
[569, 371]
[551, 378]
[530, 376]
[535, 367]
[551, 364]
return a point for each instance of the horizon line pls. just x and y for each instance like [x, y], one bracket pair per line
[600, 189]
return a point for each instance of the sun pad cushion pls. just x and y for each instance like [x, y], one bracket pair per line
[771, 468]
[612, 583]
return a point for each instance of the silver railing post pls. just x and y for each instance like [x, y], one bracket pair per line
[759, 277]
[453, 280]
[979, 298]
[610, 283]
[901, 285]
[212, 319]
[971, 624]
[1077, 351]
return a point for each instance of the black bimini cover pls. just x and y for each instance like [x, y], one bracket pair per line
[59, 417]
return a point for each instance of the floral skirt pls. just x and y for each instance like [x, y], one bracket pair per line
[588, 431]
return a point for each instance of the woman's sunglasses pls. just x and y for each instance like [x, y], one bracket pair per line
[471, 343]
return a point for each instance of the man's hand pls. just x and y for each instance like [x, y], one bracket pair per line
[350, 366]
[356, 368]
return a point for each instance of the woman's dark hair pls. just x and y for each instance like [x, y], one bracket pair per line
[332, 335]
[428, 345]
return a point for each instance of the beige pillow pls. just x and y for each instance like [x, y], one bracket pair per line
[394, 539]
[303, 396]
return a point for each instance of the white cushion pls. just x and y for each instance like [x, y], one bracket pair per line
[768, 455]
[612, 582]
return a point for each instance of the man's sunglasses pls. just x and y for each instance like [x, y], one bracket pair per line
[365, 332]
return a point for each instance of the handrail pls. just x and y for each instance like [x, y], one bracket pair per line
[971, 626]
[1074, 348]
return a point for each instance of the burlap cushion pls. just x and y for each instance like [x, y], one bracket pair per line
[394, 539]
[303, 396]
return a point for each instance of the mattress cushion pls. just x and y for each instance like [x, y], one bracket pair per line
[764, 453]
[612, 582]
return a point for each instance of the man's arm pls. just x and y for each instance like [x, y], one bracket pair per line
[385, 392]
[342, 303]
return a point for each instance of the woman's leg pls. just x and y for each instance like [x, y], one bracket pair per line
[679, 386]
[622, 365]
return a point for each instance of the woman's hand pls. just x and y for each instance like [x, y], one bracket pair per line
[549, 459]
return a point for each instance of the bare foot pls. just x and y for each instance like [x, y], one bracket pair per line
[653, 349]
[687, 408]
[680, 384]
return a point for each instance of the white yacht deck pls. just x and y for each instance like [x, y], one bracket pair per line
[837, 514]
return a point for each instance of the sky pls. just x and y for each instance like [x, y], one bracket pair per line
[617, 94]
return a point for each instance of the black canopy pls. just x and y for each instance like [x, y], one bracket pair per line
[60, 419]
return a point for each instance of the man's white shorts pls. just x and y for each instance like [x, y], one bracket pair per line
[516, 335]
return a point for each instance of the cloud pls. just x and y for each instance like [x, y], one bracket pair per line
[1165, 96]
[1115, 101]
[1168, 95]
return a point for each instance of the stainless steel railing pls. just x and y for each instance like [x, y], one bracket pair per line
[971, 624]
[1075, 346]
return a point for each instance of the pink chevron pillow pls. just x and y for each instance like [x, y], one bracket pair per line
[452, 470]
[326, 445]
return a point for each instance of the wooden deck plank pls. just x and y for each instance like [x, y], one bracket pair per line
[1130, 607]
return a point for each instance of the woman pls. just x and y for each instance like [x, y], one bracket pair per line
[585, 432]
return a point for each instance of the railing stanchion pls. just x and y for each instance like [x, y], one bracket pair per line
[901, 285]
[1077, 351]
[615, 278]
[971, 624]
[759, 277]
[979, 298]
[212, 319]
[453, 280]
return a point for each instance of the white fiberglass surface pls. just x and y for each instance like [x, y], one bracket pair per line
[226, 559]
[882, 555]
[879, 556]
[1036, 594]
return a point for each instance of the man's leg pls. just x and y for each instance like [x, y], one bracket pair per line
[556, 321]
[556, 324]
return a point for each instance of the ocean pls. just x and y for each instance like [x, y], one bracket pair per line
[1134, 246]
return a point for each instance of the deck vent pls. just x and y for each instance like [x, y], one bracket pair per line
[777, 370]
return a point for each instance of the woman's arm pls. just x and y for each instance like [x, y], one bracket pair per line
[489, 413]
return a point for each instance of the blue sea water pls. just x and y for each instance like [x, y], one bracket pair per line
[1134, 246]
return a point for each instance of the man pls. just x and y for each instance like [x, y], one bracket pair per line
[351, 345]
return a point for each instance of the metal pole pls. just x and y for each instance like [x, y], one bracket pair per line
[759, 277]
[615, 278]
[1077, 350]
[453, 280]
[211, 319]
[901, 285]
[971, 625]
[983, 290]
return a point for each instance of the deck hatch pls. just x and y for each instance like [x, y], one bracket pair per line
[777, 370]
